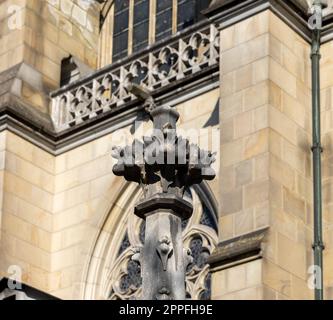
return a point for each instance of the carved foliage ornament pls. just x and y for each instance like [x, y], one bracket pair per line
[164, 163]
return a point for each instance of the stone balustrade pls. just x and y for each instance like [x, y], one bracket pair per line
[106, 90]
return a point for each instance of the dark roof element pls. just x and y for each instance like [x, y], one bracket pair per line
[219, 4]
[72, 69]
[23, 292]
[238, 248]
[294, 12]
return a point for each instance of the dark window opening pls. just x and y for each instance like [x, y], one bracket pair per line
[72, 69]
[189, 12]
[69, 71]
[121, 4]
[141, 11]
[141, 24]
[186, 13]
[120, 33]
[202, 5]
[163, 19]
[120, 45]
[121, 22]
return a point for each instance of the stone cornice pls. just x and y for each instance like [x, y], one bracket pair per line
[225, 13]
[37, 128]
[246, 247]
[30, 292]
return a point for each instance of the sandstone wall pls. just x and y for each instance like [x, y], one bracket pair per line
[266, 156]
[53, 208]
[42, 33]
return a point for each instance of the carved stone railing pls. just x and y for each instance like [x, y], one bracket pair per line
[106, 90]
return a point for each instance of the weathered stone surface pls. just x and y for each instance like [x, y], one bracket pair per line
[231, 249]
[271, 132]
[231, 202]
[244, 173]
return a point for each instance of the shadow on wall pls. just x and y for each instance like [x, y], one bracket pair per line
[214, 119]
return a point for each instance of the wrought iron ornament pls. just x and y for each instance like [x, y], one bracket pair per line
[165, 165]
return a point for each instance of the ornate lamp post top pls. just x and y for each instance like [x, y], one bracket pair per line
[164, 165]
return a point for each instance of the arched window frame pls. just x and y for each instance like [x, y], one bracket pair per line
[107, 41]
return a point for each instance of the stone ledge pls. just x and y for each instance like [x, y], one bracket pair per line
[164, 201]
[37, 127]
[24, 293]
[299, 6]
[237, 249]
[12, 102]
[226, 13]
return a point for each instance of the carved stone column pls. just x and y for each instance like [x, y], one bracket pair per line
[164, 165]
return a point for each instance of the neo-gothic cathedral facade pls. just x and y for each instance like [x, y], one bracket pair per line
[238, 73]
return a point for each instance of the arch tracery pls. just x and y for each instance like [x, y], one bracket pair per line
[112, 272]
